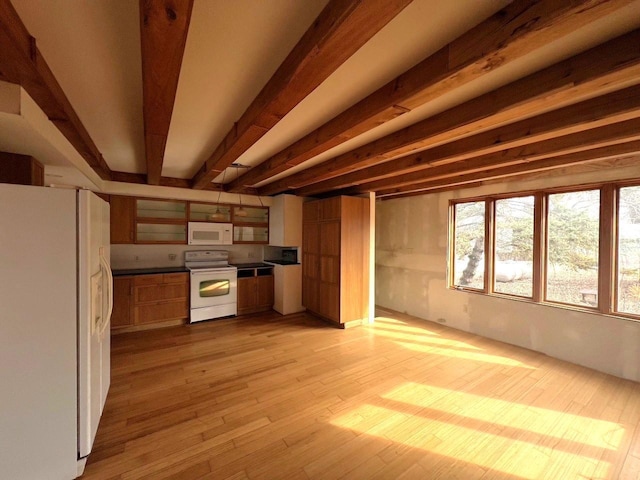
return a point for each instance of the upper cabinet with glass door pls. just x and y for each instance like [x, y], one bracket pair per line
[250, 215]
[160, 221]
[161, 209]
[209, 212]
[250, 224]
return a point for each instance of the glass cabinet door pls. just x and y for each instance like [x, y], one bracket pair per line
[160, 233]
[162, 209]
[242, 214]
[208, 212]
[247, 234]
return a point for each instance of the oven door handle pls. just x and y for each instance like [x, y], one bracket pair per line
[216, 272]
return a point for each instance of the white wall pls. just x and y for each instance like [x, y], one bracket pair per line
[411, 265]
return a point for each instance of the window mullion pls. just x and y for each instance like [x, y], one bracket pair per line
[539, 248]
[489, 245]
[606, 260]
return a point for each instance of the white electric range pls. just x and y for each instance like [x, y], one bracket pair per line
[214, 284]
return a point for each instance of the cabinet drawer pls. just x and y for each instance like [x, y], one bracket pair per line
[175, 278]
[157, 293]
[147, 279]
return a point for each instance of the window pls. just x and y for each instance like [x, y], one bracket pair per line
[579, 248]
[572, 247]
[513, 252]
[628, 284]
[468, 268]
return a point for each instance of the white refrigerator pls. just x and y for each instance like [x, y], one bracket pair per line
[55, 307]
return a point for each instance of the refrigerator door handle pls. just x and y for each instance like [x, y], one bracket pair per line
[107, 269]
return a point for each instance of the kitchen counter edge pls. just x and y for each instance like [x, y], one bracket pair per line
[121, 272]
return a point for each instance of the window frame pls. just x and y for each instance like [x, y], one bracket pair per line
[545, 299]
[608, 295]
[492, 284]
[452, 249]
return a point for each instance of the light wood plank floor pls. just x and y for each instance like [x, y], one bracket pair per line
[270, 397]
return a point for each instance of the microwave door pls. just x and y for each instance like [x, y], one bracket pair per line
[209, 234]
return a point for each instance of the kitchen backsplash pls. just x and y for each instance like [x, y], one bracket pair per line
[150, 256]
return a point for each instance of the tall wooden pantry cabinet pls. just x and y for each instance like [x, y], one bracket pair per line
[335, 259]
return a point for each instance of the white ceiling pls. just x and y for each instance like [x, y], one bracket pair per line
[233, 47]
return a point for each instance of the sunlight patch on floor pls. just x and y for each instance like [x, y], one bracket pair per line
[480, 357]
[492, 447]
[550, 423]
[427, 340]
[393, 324]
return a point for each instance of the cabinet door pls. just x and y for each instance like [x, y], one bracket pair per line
[249, 234]
[161, 209]
[122, 219]
[247, 296]
[209, 212]
[121, 316]
[310, 294]
[329, 301]
[265, 291]
[330, 209]
[250, 215]
[161, 311]
[310, 259]
[330, 238]
[310, 211]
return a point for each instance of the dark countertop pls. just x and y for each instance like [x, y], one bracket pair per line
[148, 271]
[282, 262]
[242, 266]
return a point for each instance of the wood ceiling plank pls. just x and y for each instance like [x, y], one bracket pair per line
[587, 143]
[612, 65]
[608, 157]
[611, 108]
[163, 35]
[340, 30]
[516, 30]
[21, 62]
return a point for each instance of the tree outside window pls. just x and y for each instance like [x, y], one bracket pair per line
[572, 247]
[468, 268]
[628, 281]
[513, 256]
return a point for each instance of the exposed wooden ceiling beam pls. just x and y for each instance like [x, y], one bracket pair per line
[518, 29]
[612, 65]
[600, 111]
[127, 177]
[599, 155]
[588, 144]
[163, 34]
[21, 62]
[340, 30]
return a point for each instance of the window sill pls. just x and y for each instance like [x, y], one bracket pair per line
[562, 306]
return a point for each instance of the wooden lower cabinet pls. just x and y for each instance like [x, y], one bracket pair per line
[150, 299]
[122, 302]
[255, 294]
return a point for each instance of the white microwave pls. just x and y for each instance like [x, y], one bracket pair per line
[201, 233]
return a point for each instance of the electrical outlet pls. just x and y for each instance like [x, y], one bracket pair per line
[250, 255]
[136, 258]
[172, 256]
